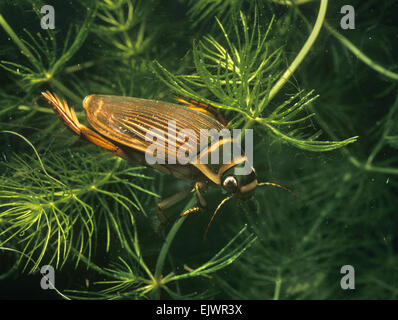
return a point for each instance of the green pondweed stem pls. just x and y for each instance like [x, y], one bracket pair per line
[167, 242]
[359, 54]
[303, 52]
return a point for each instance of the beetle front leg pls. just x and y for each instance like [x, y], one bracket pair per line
[169, 202]
[199, 186]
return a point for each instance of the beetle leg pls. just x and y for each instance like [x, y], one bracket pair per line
[100, 141]
[70, 119]
[198, 187]
[194, 209]
[169, 202]
[202, 202]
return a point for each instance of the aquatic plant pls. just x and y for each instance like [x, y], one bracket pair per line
[282, 68]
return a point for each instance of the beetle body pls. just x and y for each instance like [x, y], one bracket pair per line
[121, 125]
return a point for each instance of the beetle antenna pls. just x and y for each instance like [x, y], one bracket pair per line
[214, 214]
[278, 186]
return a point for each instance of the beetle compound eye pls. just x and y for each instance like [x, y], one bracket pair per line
[230, 184]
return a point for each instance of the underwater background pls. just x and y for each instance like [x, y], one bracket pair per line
[323, 104]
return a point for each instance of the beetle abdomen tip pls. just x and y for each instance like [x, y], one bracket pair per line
[86, 101]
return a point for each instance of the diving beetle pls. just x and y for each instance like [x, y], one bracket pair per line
[120, 125]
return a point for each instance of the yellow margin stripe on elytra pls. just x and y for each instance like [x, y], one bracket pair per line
[195, 107]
